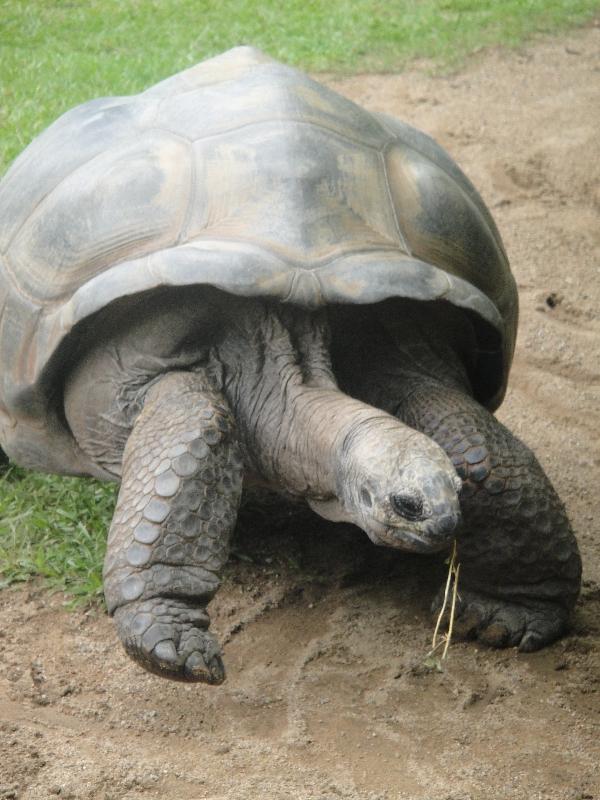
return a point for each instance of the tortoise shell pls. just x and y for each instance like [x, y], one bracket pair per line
[243, 174]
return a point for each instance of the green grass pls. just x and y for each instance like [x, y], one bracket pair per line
[54, 528]
[56, 54]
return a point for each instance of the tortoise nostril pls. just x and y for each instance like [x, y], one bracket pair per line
[366, 497]
[409, 506]
[447, 524]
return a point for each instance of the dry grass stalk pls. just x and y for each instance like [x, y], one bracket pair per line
[451, 588]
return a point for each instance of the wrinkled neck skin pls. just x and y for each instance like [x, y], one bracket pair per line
[301, 434]
[292, 418]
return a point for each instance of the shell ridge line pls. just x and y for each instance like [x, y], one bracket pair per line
[292, 289]
[395, 244]
[158, 128]
[192, 195]
[388, 190]
[309, 265]
[302, 278]
[329, 260]
[281, 121]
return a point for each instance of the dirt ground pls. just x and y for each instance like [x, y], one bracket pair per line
[324, 635]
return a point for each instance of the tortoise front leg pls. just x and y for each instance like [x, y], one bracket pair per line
[180, 491]
[520, 565]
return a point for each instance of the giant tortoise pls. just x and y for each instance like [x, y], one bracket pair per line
[239, 277]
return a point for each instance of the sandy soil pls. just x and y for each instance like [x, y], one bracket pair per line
[324, 634]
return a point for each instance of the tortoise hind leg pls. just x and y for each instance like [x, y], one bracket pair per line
[520, 566]
[177, 506]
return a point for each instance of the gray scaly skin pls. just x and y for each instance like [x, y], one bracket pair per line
[180, 491]
[263, 395]
[521, 568]
[520, 565]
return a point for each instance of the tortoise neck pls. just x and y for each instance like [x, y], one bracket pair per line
[293, 419]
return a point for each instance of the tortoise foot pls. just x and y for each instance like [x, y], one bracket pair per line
[169, 638]
[499, 623]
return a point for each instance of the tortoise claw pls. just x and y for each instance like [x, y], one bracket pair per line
[169, 638]
[500, 623]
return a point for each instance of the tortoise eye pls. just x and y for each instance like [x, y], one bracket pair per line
[409, 506]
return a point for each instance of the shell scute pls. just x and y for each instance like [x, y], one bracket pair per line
[75, 138]
[122, 204]
[293, 189]
[442, 224]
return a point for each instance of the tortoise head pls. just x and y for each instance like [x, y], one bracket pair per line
[398, 486]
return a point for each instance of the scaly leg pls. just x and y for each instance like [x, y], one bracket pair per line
[520, 565]
[520, 568]
[180, 491]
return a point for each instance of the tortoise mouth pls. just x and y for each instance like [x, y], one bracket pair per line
[430, 539]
